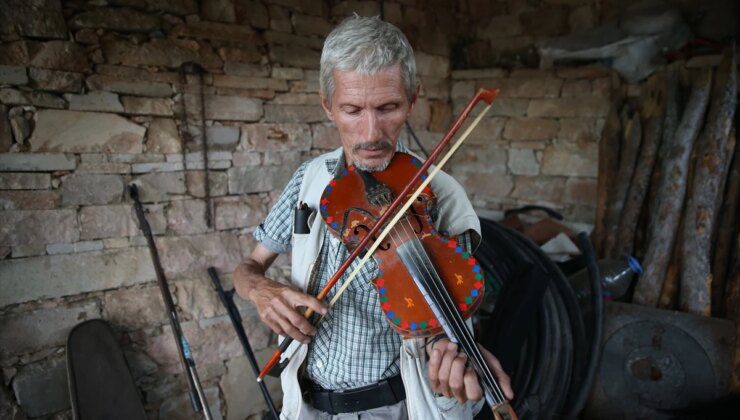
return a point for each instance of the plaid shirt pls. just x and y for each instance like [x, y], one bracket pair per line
[354, 345]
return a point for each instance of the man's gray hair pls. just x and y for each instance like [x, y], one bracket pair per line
[366, 45]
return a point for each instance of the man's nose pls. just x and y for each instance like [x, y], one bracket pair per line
[372, 127]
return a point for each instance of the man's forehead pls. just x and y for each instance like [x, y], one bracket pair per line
[385, 82]
[393, 71]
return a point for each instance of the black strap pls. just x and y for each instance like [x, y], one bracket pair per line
[384, 393]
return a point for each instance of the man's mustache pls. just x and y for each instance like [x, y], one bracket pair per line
[373, 145]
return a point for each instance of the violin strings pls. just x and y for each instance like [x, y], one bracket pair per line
[458, 328]
[444, 302]
[446, 299]
[462, 331]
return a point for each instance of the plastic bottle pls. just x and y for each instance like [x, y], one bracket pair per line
[616, 278]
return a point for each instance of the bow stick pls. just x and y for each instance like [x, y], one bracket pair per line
[402, 211]
[486, 95]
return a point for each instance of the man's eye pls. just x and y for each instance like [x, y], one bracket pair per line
[388, 108]
[352, 111]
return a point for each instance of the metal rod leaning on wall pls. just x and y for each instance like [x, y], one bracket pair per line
[227, 299]
[195, 389]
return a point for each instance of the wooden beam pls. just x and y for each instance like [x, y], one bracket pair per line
[668, 201]
[608, 162]
[627, 161]
[652, 109]
[726, 230]
[709, 175]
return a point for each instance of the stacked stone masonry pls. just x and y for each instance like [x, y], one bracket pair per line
[539, 142]
[92, 98]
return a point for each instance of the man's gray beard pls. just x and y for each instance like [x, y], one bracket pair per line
[376, 168]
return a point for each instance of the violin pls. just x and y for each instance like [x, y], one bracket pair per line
[413, 250]
[427, 284]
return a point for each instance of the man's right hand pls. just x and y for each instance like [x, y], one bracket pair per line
[281, 307]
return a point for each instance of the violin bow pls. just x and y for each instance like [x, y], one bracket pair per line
[400, 213]
[486, 95]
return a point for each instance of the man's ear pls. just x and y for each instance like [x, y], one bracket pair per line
[327, 108]
[414, 98]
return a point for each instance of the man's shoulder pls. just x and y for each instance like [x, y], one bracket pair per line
[313, 161]
[326, 160]
[332, 154]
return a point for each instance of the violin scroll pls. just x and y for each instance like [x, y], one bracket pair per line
[487, 95]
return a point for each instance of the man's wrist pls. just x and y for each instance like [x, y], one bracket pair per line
[246, 280]
[255, 283]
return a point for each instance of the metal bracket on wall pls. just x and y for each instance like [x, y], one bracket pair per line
[186, 134]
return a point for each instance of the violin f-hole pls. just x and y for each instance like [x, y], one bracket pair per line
[383, 246]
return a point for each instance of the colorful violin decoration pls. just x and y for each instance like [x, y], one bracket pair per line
[351, 205]
[427, 283]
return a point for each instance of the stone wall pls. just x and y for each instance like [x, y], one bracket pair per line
[539, 143]
[92, 99]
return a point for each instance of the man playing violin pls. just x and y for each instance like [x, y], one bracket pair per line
[353, 361]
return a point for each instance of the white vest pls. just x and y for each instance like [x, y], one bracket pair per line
[456, 215]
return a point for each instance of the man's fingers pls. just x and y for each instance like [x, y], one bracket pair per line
[297, 320]
[444, 369]
[503, 378]
[273, 325]
[277, 305]
[434, 361]
[449, 374]
[281, 313]
[456, 381]
[291, 330]
[473, 390]
[436, 353]
[294, 318]
[297, 298]
[301, 323]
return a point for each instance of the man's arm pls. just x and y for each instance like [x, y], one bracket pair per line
[279, 306]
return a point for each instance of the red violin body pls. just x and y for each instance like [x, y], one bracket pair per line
[352, 203]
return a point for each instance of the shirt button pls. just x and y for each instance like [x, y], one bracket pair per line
[319, 364]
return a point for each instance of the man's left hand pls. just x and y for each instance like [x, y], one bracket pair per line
[450, 375]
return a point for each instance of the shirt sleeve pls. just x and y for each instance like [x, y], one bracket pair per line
[276, 231]
[465, 240]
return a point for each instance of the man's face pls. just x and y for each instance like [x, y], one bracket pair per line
[369, 111]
